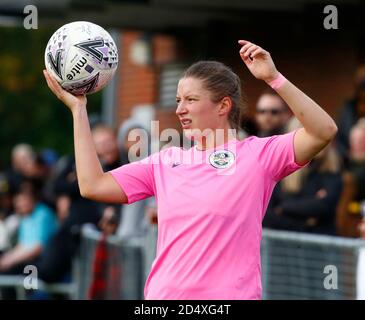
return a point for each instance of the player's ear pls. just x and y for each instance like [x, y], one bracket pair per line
[225, 106]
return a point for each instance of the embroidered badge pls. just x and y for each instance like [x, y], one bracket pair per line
[221, 159]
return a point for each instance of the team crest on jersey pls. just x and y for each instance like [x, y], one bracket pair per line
[221, 159]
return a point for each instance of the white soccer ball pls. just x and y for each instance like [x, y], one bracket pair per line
[82, 56]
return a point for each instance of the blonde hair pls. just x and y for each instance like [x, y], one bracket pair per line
[329, 162]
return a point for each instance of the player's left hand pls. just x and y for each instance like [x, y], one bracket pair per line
[258, 61]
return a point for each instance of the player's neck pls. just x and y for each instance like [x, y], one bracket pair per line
[220, 137]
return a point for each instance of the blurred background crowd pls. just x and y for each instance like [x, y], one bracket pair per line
[41, 210]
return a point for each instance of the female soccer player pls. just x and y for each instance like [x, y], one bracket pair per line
[209, 216]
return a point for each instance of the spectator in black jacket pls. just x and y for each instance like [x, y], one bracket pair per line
[306, 200]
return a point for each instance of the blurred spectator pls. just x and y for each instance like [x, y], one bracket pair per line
[109, 222]
[37, 224]
[55, 262]
[306, 200]
[272, 114]
[106, 276]
[101, 287]
[73, 210]
[37, 172]
[63, 204]
[351, 111]
[349, 209]
[22, 157]
[125, 142]
[133, 222]
[28, 166]
[106, 146]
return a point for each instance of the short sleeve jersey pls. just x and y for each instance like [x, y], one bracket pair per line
[210, 209]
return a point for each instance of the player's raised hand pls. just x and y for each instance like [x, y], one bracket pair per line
[70, 100]
[258, 61]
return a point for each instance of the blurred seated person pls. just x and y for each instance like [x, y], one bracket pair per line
[352, 110]
[349, 209]
[37, 224]
[272, 114]
[306, 200]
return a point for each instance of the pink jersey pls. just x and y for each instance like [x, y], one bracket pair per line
[209, 214]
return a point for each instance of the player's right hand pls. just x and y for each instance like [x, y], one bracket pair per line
[71, 101]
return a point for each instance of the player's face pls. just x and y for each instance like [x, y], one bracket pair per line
[195, 109]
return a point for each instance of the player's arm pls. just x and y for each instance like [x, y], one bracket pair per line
[94, 184]
[318, 127]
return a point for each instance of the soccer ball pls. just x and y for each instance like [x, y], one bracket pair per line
[82, 56]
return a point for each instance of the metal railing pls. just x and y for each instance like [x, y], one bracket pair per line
[124, 269]
[294, 266]
[307, 266]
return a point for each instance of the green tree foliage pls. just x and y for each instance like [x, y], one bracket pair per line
[29, 112]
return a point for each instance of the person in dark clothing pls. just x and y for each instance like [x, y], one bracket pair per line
[350, 113]
[56, 261]
[306, 201]
[349, 208]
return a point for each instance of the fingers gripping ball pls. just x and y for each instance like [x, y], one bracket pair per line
[82, 57]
